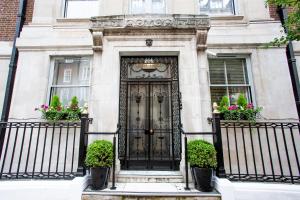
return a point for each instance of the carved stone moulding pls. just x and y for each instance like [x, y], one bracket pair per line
[100, 25]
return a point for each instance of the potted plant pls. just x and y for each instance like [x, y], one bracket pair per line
[99, 158]
[203, 160]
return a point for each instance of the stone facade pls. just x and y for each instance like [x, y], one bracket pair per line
[193, 37]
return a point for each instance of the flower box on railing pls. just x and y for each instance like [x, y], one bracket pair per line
[242, 111]
[56, 112]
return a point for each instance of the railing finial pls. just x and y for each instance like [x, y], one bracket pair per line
[85, 109]
[215, 107]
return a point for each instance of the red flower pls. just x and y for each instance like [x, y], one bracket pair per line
[250, 106]
[233, 107]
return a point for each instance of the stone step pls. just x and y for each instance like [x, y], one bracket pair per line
[149, 191]
[149, 177]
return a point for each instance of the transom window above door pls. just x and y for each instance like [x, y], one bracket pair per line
[70, 77]
[217, 7]
[147, 6]
[81, 8]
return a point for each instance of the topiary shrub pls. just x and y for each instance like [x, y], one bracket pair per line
[202, 154]
[55, 103]
[99, 154]
[242, 101]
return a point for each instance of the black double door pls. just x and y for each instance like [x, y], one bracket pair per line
[149, 125]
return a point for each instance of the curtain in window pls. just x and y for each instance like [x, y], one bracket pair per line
[81, 8]
[138, 6]
[158, 6]
[216, 6]
[71, 78]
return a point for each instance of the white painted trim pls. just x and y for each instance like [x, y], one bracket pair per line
[256, 191]
[43, 189]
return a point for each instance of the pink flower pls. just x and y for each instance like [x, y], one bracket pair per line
[250, 106]
[44, 107]
[233, 107]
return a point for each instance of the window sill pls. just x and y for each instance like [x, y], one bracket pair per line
[64, 20]
[227, 17]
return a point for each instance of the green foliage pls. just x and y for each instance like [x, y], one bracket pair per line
[224, 103]
[56, 111]
[241, 111]
[242, 101]
[99, 154]
[74, 103]
[73, 112]
[55, 102]
[202, 154]
[292, 24]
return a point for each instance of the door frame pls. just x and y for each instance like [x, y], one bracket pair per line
[172, 62]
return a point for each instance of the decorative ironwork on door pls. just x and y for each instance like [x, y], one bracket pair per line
[149, 113]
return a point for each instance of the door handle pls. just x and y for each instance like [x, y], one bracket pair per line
[151, 132]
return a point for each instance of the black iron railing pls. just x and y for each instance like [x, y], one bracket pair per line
[215, 135]
[113, 187]
[261, 151]
[40, 150]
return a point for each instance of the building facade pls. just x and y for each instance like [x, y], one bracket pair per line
[149, 66]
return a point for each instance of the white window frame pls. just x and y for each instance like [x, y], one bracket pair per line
[148, 7]
[65, 6]
[250, 84]
[234, 11]
[51, 75]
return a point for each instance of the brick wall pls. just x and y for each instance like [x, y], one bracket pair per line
[8, 16]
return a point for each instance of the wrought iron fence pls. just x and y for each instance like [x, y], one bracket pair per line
[261, 151]
[215, 135]
[40, 150]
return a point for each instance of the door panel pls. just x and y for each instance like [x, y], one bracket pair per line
[149, 124]
[149, 113]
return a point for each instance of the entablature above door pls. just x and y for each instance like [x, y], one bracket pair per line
[149, 25]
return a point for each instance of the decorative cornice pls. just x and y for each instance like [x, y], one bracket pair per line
[118, 23]
[151, 21]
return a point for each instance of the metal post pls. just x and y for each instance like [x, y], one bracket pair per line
[83, 143]
[12, 71]
[218, 145]
[186, 164]
[283, 14]
[113, 187]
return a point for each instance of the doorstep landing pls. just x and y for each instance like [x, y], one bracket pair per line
[151, 190]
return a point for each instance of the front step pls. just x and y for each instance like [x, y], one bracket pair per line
[149, 191]
[149, 177]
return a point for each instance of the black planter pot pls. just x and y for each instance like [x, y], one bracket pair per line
[100, 177]
[203, 179]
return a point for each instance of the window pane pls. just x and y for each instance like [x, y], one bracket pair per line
[137, 6]
[66, 93]
[236, 72]
[71, 71]
[158, 6]
[234, 93]
[82, 8]
[216, 6]
[216, 72]
[217, 93]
